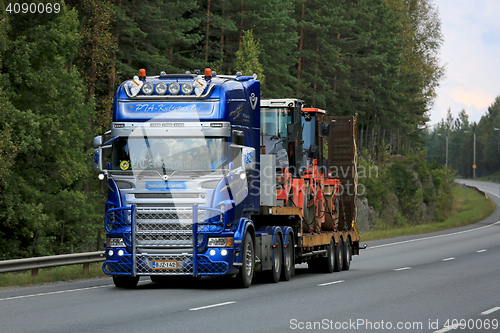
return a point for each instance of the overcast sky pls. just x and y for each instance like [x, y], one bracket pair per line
[471, 52]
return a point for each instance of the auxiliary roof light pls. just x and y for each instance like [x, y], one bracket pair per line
[174, 88]
[187, 88]
[142, 74]
[147, 88]
[208, 73]
[161, 88]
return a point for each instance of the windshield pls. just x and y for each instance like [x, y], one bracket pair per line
[169, 154]
[274, 121]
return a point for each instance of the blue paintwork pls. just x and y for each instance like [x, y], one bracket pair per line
[113, 195]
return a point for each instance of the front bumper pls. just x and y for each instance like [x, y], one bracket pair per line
[184, 265]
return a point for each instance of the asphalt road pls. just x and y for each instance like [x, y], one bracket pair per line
[410, 284]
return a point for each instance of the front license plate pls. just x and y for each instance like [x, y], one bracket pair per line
[164, 264]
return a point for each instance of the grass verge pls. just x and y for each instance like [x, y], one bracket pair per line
[47, 275]
[468, 207]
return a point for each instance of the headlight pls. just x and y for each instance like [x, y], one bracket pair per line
[115, 242]
[147, 88]
[161, 88]
[220, 242]
[174, 88]
[187, 88]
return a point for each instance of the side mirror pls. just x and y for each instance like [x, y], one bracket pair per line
[98, 141]
[325, 129]
[248, 158]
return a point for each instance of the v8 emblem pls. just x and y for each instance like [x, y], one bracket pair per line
[253, 101]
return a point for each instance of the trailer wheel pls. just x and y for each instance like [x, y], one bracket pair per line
[277, 260]
[248, 261]
[347, 255]
[339, 254]
[330, 257]
[127, 282]
[289, 261]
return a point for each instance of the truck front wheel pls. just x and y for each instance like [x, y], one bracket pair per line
[127, 282]
[248, 261]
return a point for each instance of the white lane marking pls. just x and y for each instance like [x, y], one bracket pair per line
[211, 306]
[448, 259]
[481, 251]
[487, 312]
[329, 283]
[448, 328]
[425, 238]
[402, 269]
[54, 292]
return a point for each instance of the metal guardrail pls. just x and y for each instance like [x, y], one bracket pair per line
[36, 263]
[474, 188]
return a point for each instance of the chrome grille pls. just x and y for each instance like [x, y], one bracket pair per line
[164, 228]
[173, 228]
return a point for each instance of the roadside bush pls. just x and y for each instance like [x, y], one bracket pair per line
[408, 190]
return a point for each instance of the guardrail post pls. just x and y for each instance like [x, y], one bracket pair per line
[34, 272]
[86, 266]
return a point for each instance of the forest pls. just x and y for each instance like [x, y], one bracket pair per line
[59, 72]
[457, 135]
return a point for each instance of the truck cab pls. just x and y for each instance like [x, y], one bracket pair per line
[182, 155]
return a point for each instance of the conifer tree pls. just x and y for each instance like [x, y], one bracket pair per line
[44, 208]
[247, 58]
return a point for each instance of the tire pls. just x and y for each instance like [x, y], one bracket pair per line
[288, 260]
[277, 260]
[329, 264]
[248, 261]
[347, 257]
[339, 256]
[127, 282]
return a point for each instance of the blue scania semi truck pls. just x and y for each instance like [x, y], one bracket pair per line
[205, 178]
